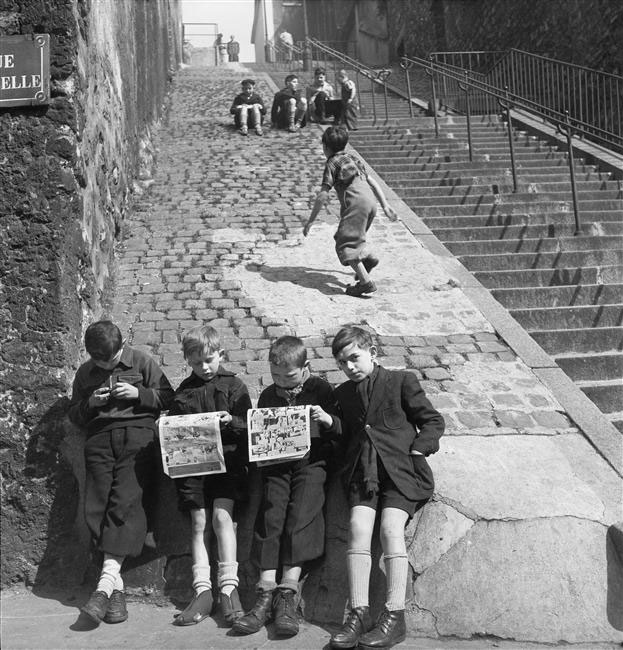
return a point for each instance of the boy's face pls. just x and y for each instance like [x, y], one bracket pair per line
[293, 83]
[112, 362]
[320, 78]
[287, 375]
[342, 78]
[355, 362]
[247, 89]
[205, 364]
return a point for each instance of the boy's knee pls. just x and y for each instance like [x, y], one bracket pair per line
[220, 519]
[198, 521]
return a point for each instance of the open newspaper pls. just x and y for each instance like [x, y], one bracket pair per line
[191, 445]
[278, 434]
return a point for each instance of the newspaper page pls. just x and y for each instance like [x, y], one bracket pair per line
[278, 434]
[191, 444]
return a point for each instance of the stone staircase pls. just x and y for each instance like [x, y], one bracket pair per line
[565, 290]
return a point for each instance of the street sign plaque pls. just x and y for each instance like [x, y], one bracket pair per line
[24, 70]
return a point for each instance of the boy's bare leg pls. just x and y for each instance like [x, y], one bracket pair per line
[393, 521]
[243, 115]
[201, 560]
[225, 531]
[360, 271]
[256, 119]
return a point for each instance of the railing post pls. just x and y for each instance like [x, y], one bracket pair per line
[431, 74]
[468, 113]
[406, 65]
[383, 75]
[509, 120]
[373, 100]
[567, 131]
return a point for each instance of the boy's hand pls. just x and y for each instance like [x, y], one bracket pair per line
[318, 414]
[224, 417]
[390, 213]
[123, 390]
[99, 397]
[307, 228]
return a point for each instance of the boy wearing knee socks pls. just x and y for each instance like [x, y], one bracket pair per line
[389, 427]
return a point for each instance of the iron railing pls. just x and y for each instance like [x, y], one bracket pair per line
[551, 88]
[331, 59]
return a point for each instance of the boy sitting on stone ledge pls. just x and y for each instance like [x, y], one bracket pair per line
[248, 108]
[389, 428]
[117, 396]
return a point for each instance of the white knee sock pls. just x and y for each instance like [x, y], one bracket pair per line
[396, 572]
[201, 578]
[227, 577]
[111, 574]
[359, 563]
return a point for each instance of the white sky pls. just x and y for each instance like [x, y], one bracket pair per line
[232, 16]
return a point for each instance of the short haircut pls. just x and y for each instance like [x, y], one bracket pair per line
[200, 340]
[318, 71]
[288, 351]
[248, 81]
[103, 340]
[290, 77]
[342, 72]
[335, 138]
[351, 334]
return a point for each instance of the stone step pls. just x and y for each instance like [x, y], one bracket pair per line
[572, 317]
[591, 367]
[545, 261]
[560, 296]
[522, 231]
[569, 276]
[454, 167]
[607, 395]
[536, 245]
[500, 175]
[588, 218]
[477, 187]
[558, 342]
[513, 204]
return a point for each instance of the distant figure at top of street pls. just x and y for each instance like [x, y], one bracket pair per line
[358, 194]
[248, 108]
[233, 49]
[288, 42]
[348, 116]
[116, 398]
[320, 98]
[289, 106]
[220, 49]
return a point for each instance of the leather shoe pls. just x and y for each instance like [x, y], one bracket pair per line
[198, 608]
[357, 290]
[284, 612]
[117, 611]
[357, 622]
[231, 607]
[97, 606]
[388, 630]
[256, 618]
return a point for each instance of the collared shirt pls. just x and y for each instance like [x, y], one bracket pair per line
[324, 87]
[340, 170]
[134, 367]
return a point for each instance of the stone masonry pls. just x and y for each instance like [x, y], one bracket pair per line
[514, 543]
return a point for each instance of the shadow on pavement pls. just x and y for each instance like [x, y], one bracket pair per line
[324, 282]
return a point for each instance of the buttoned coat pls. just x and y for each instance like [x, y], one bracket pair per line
[399, 418]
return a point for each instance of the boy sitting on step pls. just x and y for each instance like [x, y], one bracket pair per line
[358, 194]
[289, 106]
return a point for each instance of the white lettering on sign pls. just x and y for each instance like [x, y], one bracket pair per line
[24, 81]
[7, 60]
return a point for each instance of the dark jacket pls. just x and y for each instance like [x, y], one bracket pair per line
[399, 418]
[224, 392]
[134, 367]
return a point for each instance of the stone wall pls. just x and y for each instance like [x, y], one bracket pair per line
[68, 171]
[585, 32]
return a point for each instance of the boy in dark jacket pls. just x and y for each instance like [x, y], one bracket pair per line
[389, 428]
[211, 388]
[290, 525]
[289, 106]
[117, 396]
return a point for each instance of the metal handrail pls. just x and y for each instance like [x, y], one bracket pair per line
[322, 53]
[551, 88]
